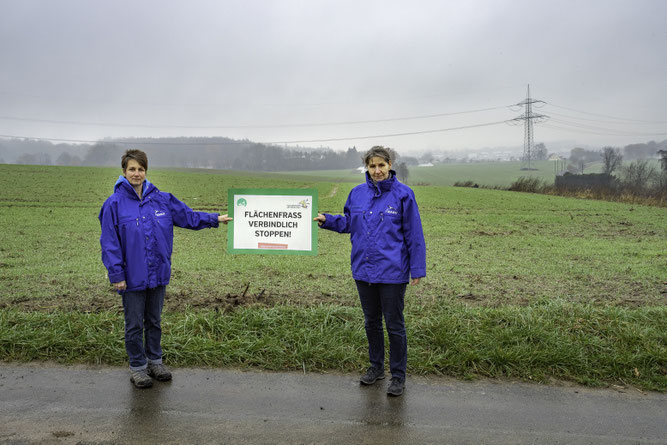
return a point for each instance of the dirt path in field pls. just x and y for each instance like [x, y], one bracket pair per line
[333, 191]
[48, 404]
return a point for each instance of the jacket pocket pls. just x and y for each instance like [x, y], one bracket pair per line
[129, 221]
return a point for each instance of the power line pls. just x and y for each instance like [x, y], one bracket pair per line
[572, 130]
[389, 135]
[214, 127]
[126, 142]
[610, 131]
[526, 118]
[616, 122]
[606, 115]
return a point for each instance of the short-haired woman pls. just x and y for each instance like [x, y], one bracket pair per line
[137, 237]
[388, 249]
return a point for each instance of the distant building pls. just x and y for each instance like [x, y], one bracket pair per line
[559, 166]
[427, 164]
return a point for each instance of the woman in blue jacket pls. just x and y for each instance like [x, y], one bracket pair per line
[137, 238]
[388, 249]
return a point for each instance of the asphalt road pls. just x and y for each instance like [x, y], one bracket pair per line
[87, 405]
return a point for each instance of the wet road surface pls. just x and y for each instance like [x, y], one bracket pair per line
[88, 405]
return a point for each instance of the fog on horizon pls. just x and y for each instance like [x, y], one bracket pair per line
[419, 76]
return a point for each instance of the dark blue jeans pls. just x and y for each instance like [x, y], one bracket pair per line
[378, 300]
[143, 310]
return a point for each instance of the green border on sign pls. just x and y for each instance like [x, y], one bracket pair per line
[231, 205]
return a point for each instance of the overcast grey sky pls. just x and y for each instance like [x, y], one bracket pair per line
[288, 70]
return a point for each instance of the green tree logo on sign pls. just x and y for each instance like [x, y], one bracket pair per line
[241, 202]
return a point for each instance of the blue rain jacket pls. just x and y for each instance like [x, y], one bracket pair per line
[138, 235]
[385, 230]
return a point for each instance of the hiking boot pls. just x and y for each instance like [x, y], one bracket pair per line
[396, 387]
[141, 379]
[372, 376]
[159, 372]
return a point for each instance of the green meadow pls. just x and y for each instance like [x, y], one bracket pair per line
[492, 174]
[524, 286]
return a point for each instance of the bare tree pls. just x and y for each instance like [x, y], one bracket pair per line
[68, 159]
[639, 174]
[611, 159]
[402, 172]
[540, 153]
[426, 157]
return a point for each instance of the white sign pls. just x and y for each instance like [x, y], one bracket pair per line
[271, 221]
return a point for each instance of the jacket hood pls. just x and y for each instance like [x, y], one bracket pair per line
[123, 184]
[382, 186]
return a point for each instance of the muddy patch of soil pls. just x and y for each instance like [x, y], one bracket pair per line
[176, 301]
[179, 301]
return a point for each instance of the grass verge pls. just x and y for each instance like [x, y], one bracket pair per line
[557, 339]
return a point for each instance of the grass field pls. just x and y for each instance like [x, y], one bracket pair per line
[491, 174]
[520, 285]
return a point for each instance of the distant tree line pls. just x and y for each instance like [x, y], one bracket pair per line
[641, 180]
[218, 153]
[640, 177]
[613, 156]
[224, 153]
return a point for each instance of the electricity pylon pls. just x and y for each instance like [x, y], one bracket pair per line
[528, 117]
